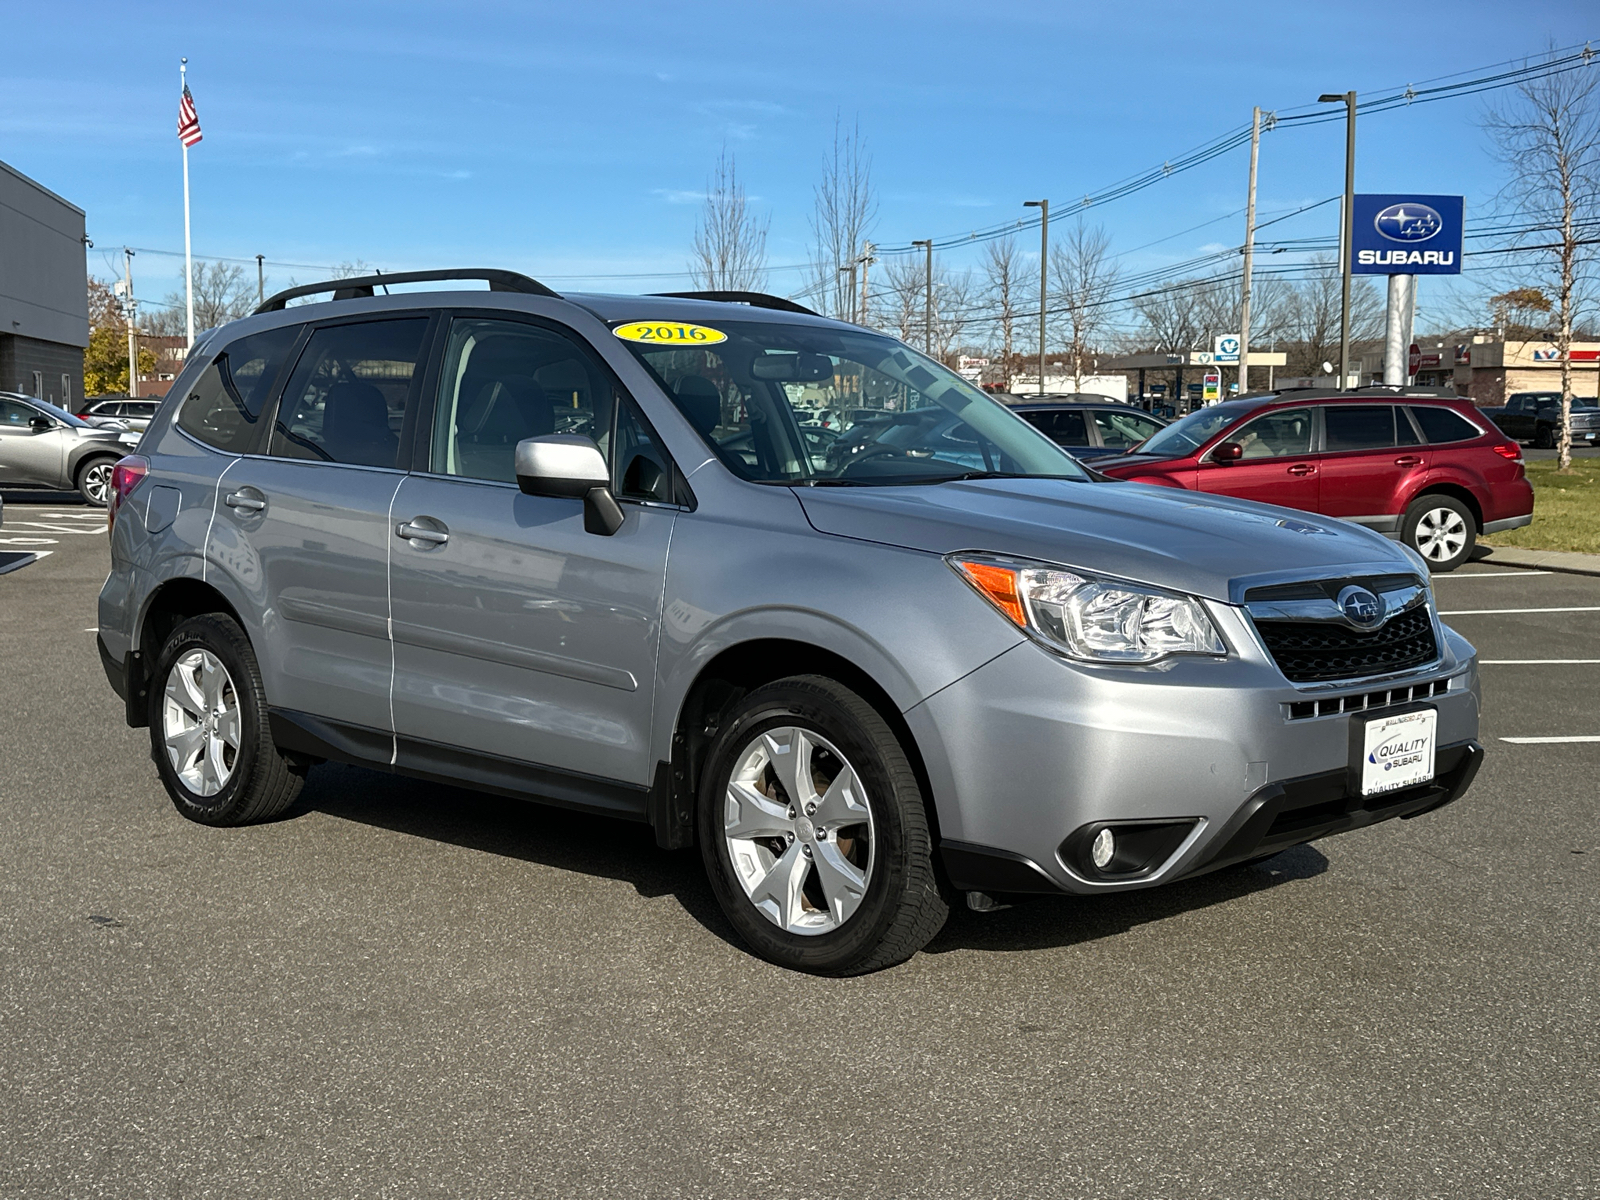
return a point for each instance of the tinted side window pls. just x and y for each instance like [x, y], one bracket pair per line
[1442, 425]
[224, 404]
[640, 468]
[1276, 435]
[504, 381]
[1122, 429]
[1065, 428]
[347, 398]
[1357, 427]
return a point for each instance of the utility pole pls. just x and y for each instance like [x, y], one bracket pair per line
[1249, 254]
[129, 309]
[261, 278]
[1044, 268]
[927, 304]
[866, 260]
[850, 270]
[1346, 226]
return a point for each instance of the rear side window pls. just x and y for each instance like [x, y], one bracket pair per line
[1357, 427]
[1442, 425]
[347, 398]
[1065, 427]
[1122, 429]
[223, 407]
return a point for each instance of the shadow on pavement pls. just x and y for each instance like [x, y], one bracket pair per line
[16, 495]
[625, 851]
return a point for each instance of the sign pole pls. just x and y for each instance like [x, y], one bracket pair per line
[188, 252]
[1249, 253]
[1395, 342]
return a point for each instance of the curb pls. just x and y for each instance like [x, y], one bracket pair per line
[1545, 560]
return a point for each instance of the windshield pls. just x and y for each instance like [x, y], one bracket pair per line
[800, 404]
[1188, 435]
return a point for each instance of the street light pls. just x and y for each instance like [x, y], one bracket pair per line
[1347, 231]
[1044, 247]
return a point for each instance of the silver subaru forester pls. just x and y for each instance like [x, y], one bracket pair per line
[774, 584]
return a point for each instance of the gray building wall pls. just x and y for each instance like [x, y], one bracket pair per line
[44, 302]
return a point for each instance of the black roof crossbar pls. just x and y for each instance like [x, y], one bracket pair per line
[753, 299]
[362, 286]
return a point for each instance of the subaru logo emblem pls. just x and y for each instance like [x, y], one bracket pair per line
[1408, 222]
[1360, 607]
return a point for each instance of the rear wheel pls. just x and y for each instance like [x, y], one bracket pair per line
[1442, 529]
[1544, 438]
[814, 833]
[94, 480]
[208, 727]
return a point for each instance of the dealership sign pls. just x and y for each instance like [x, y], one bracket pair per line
[1407, 235]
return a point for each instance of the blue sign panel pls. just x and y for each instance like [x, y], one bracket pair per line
[1407, 235]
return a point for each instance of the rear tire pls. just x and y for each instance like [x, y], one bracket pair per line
[1544, 438]
[94, 480]
[832, 871]
[208, 727]
[1442, 529]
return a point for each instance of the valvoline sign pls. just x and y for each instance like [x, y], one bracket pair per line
[1407, 235]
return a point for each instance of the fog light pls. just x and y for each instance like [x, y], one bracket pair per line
[1103, 848]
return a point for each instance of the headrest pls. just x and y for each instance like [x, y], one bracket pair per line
[700, 401]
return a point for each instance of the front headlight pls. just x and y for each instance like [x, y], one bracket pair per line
[1091, 618]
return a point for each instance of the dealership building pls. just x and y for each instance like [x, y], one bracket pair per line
[44, 302]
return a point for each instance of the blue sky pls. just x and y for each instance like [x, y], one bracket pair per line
[573, 140]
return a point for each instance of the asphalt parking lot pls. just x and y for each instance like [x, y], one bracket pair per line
[402, 990]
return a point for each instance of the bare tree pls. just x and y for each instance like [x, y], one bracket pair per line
[730, 243]
[845, 208]
[1084, 275]
[1002, 277]
[1548, 135]
[1511, 310]
[1312, 319]
[905, 296]
[953, 311]
[221, 294]
[1170, 319]
[903, 307]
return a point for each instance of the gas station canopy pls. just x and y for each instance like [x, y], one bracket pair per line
[1192, 358]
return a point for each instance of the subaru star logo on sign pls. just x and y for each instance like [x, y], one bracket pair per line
[1360, 607]
[1407, 235]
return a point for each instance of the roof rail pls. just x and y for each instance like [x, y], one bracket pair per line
[362, 286]
[753, 299]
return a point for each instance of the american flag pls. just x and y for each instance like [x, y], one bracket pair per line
[188, 120]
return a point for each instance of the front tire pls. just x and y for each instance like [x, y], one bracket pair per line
[94, 481]
[208, 727]
[1544, 438]
[814, 831]
[1442, 529]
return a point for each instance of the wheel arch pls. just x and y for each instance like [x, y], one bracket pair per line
[164, 609]
[1456, 491]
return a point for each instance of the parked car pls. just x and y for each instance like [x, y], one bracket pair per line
[1091, 430]
[1423, 468]
[859, 686]
[1536, 417]
[46, 446]
[135, 414]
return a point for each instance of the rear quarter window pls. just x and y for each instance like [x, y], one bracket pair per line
[223, 406]
[1441, 425]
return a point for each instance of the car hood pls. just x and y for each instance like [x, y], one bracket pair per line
[1136, 460]
[1188, 541]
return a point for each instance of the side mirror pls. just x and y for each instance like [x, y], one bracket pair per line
[1227, 452]
[41, 424]
[568, 464]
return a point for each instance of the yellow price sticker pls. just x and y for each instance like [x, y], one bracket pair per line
[669, 333]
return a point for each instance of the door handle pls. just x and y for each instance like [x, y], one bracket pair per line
[1302, 469]
[1408, 460]
[244, 500]
[421, 533]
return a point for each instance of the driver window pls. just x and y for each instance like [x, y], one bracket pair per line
[14, 415]
[1276, 435]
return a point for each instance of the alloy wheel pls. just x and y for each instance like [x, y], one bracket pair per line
[200, 722]
[799, 830]
[97, 482]
[1441, 534]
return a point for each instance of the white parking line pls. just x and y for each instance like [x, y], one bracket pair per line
[1534, 662]
[54, 528]
[1491, 575]
[1546, 741]
[1493, 612]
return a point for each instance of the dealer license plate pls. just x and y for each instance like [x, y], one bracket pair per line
[1397, 751]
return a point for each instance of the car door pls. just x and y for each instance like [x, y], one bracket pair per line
[32, 445]
[518, 635]
[1372, 459]
[1277, 466]
[1517, 420]
[305, 527]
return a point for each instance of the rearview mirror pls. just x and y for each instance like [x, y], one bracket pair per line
[570, 465]
[792, 368]
[1227, 452]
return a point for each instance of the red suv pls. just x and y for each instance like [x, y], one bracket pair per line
[1425, 469]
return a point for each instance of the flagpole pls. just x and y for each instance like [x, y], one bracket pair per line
[188, 254]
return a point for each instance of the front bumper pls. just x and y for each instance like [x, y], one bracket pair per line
[1030, 748]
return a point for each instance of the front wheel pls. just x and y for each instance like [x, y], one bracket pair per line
[1442, 530]
[1544, 438]
[814, 831]
[94, 480]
